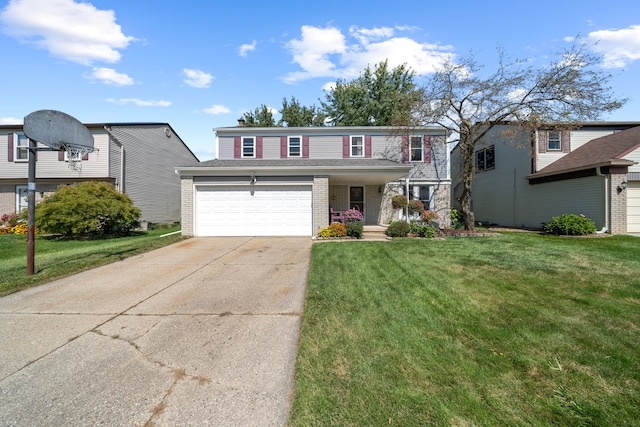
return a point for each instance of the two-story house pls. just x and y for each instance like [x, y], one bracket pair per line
[523, 179]
[278, 181]
[137, 158]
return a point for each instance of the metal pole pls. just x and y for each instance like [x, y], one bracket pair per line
[31, 197]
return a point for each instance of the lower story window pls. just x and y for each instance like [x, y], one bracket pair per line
[485, 159]
[424, 193]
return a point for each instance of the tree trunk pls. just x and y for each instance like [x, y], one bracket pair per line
[466, 151]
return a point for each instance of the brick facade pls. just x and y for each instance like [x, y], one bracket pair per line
[320, 203]
[187, 206]
[618, 204]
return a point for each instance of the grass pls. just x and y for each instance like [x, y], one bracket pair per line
[56, 258]
[521, 329]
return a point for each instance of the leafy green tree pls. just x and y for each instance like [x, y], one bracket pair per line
[260, 117]
[294, 114]
[381, 97]
[87, 208]
[571, 89]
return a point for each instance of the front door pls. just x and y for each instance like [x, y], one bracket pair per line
[22, 198]
[356, 198]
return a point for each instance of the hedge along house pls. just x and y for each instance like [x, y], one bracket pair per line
[279, 181]
[137, 158]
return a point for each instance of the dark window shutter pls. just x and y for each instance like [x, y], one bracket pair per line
[284, 146]
[10, 144]
[367, 146]
[543, 137]
[405, 149]
[565, 140]
[237, 148]
[305, 147]
[345, 146]
[258, 147]
[61, 155]
[427, 149]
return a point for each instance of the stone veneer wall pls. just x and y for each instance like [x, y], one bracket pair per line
[186, 206]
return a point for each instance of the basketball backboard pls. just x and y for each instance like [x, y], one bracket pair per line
[57, 130]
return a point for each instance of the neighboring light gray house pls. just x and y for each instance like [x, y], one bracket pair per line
[523, 179]
[279, 181]
[137, 158]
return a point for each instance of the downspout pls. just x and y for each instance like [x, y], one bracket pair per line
[606, 201]
[120, 181]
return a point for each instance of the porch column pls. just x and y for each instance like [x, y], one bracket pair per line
[320, 203]
[618, 207]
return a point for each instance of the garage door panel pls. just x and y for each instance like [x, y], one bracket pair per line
[633, 207]
[254, 211]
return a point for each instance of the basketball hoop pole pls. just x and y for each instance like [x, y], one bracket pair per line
[31, 197]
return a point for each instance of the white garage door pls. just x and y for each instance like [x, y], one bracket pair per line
[253, 211]
[633, 207]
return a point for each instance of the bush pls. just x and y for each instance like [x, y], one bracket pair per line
[570, 225]
[87, 208]
[423, 230]
[355, 229]
[353, 215]
[456, 219]
[397, 229]
[336, 229]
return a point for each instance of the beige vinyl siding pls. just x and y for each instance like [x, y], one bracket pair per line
[578, 138]
[325, 147]
[225, 150]
[633, 207]
[634, 156]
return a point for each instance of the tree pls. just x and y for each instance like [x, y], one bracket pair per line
[87, 208]
[294, 114]
[569, 90]
[260, 117]
[381, 97]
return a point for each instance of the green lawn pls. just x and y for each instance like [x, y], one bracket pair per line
[521, 329]
[56, 258]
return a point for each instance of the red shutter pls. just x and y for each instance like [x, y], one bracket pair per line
[345, 146]
[543, 137]
[305, 147]
[405, 149]
[283, 147]
[258, 147]
[427, 149]
[367, 146]
[237, 148]
[565, 140]
[10, 144]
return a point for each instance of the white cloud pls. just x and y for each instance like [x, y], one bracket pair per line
[327, 52]
[10, 121]
[109, 76]
[139, 102]
[217, 109]
[619, 47]
[245, 48]
[197, 78]
[77, 32]
[329, 86]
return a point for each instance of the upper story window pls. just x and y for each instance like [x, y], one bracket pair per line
[554, 141]
[416, 149]
[20, 148]
[357, 146]
[295, 146]
[485, 159]
[248, 146]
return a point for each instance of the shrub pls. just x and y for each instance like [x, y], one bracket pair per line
[456, 219]
[429, 216]
[355, 229]
[570, 225]
[397, 229]
[422, 230]
[353, 215]
[399, 201]
[87, 208]
[11, 219]
[336, 229]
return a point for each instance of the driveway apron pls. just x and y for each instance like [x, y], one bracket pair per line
[202, 332]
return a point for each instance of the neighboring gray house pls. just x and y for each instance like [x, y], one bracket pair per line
[285, 180]
[137, 158]
[523, 179]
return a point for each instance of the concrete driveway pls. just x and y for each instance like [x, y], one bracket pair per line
[202, 332]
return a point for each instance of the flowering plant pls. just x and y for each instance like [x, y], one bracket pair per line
[351, 215]
[429, 216]
[415, 206]
[399, 201]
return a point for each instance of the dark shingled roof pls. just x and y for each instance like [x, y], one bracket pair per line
[596, 152]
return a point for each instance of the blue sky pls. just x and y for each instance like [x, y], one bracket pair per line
[200, 65]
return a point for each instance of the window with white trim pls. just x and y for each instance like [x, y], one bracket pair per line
[485, 159]
[295, 146]
[357, 146]
[416, 149]
[554, 141]
[424, 193]
[20, 148]
[248, 146]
